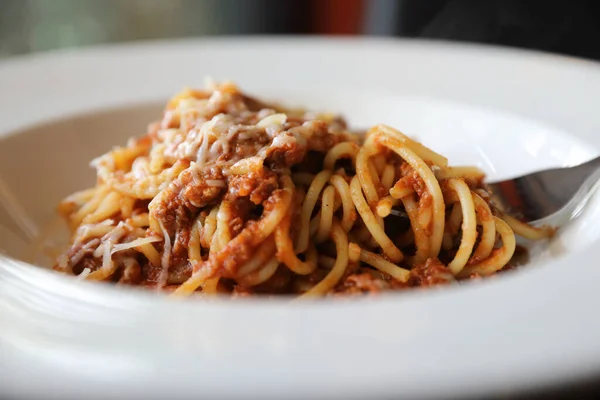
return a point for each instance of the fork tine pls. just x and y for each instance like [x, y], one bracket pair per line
[538, 195]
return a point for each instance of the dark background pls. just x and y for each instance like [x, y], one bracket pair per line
[560, 26]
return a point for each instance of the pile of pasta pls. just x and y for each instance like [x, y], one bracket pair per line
[228, 194]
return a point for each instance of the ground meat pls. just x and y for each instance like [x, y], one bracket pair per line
[132, 275]
[89, 262]
[362, 283]
[179, 267]
[185, 195]
[285, 151]
[240, 210]
[320, 139]
[242, 247]
[431, 272]
[235, 254]
[258, 186]
[278, 283]
[179, 272]
[412, 179]
[180, 245]
[367, 282]
[197, 191]
[245, 148]
[151, 272]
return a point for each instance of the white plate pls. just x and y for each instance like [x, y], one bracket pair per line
[506, 111]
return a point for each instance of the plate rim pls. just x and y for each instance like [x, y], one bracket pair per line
[584, 354]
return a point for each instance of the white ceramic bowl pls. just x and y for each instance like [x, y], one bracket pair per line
[506, 111]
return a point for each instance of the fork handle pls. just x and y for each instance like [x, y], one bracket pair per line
[539, 195]
[575, 176]
[591, 165]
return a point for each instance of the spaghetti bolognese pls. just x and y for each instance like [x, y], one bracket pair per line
[228, 194]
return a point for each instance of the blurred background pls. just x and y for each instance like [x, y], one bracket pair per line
[562, 26]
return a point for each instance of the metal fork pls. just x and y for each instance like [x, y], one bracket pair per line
[559, 193]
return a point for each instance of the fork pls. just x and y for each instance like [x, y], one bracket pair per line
[559, 193]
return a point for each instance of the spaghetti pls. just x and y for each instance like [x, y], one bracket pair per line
[227, 194]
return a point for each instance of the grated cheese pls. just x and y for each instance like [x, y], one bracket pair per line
[134, 243]
[275, 119]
